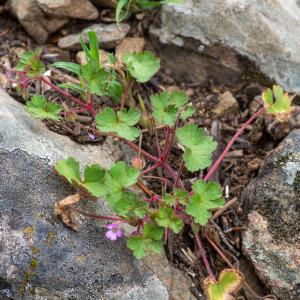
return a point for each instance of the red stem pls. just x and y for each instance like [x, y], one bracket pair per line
[231, 142]
[143, 152]
[90, 101]
[165, 150]
[178, 173]
[172, 173]
[96, 216]
[150, 169]
[75, 100]
[204, 258]
[219, 251]
[172, 135]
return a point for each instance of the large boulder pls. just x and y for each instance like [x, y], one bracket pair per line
[41, 258]
[272, 241]
[264, 31]
[43, 17]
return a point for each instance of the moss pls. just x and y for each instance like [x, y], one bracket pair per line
[32, 266]
[50, 238]
[29, 230]
[35, 250]
[34, 261]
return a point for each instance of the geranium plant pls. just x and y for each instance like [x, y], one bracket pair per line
[152, 215]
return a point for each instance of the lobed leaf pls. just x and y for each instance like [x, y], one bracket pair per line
[207, 196]
[230, 281]
[94, 180]
[277, 102]
[127, 204]
[68, 169]
[149, 242]
[120, 123]
[178, 195]
[198, 147]
[121, 176]
[166, 218]
[166, 107]
[141, 66]
[97, 80]
[31, 63]
[39, 108]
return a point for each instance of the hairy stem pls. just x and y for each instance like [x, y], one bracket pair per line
[64, 93]
[231, 142]
[167, 143]
[172, 132]
[173, 174]
[223, 256]
[178, 173]
[150, 169]
[137, 149]
[96, 216]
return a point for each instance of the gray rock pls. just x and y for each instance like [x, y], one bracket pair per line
[264, 31]
[109, 35]
[272, 241]
[40, 257]
[41, 18]
[75, 9]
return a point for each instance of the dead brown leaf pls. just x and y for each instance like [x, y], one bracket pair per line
[63, 210]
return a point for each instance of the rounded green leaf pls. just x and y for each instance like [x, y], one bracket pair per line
[69, 169]
[198, 147]
[39, 108]
[229, 283]
[166, 218]
[207, 196]
[141, 66]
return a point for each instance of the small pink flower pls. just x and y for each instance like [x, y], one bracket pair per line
[92, 137]
[114, 231]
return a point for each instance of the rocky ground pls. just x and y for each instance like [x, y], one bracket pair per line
[225, 89]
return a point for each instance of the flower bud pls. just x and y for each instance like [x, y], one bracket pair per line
[138, 163]
[145, 120]
[70, 116]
